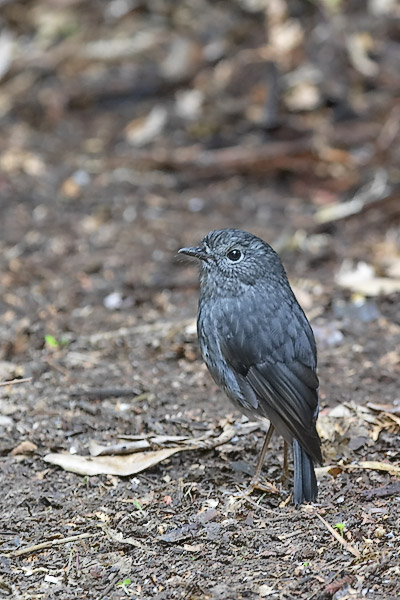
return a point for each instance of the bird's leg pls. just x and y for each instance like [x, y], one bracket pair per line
[263, 452]
[255, 481]
[285, 473]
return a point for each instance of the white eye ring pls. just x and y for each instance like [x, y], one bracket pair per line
[234, 255]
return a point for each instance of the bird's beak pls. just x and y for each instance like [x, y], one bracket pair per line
[196, 252]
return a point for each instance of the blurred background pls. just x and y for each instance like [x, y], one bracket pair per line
[129, 129]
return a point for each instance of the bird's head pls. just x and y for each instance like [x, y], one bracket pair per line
[231, 258]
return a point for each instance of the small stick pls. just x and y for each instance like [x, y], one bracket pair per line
[14, 381]
[250, 501]
[100, 393]
[58, 368]
[51, 543]
[339, 538]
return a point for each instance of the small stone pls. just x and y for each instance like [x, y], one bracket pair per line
[380, 532]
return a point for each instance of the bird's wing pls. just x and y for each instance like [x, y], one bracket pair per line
[275, 355]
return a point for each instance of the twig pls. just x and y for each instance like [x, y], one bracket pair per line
[15, 381]
[339, 538]
[292, 155]
[111, 585]
[58, 368]
[371, 195]
[100, 393]
[250, 501]
[286, 536]
[51, 543]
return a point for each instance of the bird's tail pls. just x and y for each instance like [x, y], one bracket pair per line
[305, 483]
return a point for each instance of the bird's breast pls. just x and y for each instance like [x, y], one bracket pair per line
[212, 333]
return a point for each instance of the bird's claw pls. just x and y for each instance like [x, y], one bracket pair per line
[267, 487]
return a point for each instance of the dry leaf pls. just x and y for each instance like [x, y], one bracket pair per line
[181, 533]
[335, 470]
[361, 278]
[129, 447]
[377, 466]
[387, 408]
[96, 449]
[325, 470]
[116, 536]
[303, 96]
[129, 464]
[110, 465]
[266, 590]
[195, 548]
[9, 370]
[377, 286]
[142, 131]
[359, 46]
[25, 447]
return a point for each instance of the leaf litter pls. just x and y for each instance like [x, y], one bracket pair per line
[280, 118]
[126, 459]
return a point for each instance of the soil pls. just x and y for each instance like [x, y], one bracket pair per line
[99, 313]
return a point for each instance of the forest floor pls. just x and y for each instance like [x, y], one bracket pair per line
[98, 315]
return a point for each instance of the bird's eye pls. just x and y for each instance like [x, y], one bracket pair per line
[234, 255]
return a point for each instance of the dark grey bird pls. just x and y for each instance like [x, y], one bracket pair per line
[258, 345]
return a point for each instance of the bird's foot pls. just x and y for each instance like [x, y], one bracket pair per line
[255, 484]
[284, 476]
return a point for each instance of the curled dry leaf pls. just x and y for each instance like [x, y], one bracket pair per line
[129, 447]
[97, 449]
[357, 422]
[117, 537]
[142, 131]
[129, 464]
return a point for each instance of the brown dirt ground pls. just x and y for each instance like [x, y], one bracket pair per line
[175, 530]
[58, 281]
